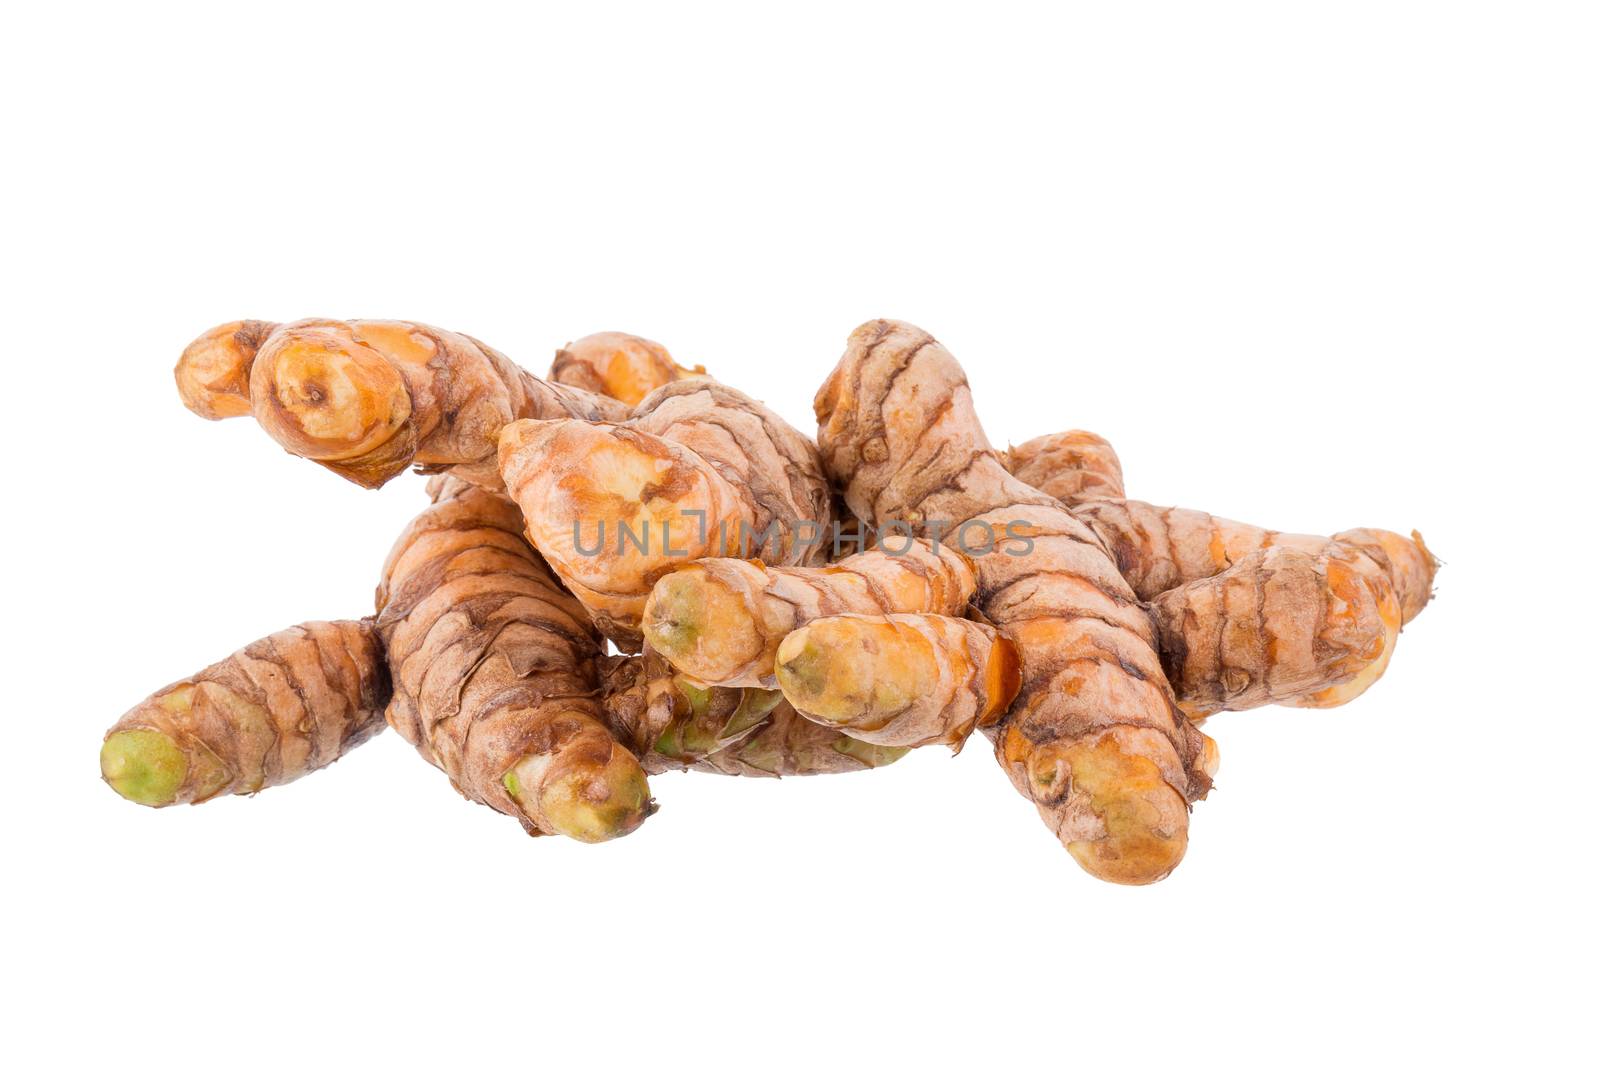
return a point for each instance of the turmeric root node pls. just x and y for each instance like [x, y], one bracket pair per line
[678, 725]
[1072, 467]
[672, 721]
[715, 718]
[789, 744]
[618, 365]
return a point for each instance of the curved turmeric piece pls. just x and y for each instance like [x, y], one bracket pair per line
[368, 398]
[1095, 737]
[721, 620]
[495, 673]
[906, 679]
[279, 708]
[1246, 615]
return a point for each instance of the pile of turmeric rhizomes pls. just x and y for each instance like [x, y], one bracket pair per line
[779, 605]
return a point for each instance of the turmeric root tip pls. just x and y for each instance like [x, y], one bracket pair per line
[280, 707]
[899, 679]
[1145, 829]
[144, 766]
[703, 627]
[213, 374]
[618, 365]
[588, 787]
[323, 396]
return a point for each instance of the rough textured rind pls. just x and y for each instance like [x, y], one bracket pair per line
[618, 365]
[773, 467]
[902, 679]
[1161, 548]
[494, 664]
[368, 398]
[613, 509]
[673, 724]
[700, 470]
[1072, 467]
[721, 620]
[1095, 737]
[669, 721]
[498, 673]
[789, 745]
[278, 708]
[1248, 616]
[1281, 626]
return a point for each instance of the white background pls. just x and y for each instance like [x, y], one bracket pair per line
[1312, 266]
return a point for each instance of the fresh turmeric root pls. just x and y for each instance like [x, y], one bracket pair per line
[617, 365]
[1095, 737]
[1160, 548]
[702, 719]
[721, 620]
[611, 509]
[294, 702]
[495, 673]
[899, 679]
[1281, 626]
[919, 679]
[369, 398]
[214, 376]
[276, 709]
[1317, 617]
[1246, 615]
[698, 470]
[498, 686]
[498, 682]
[630, 498]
